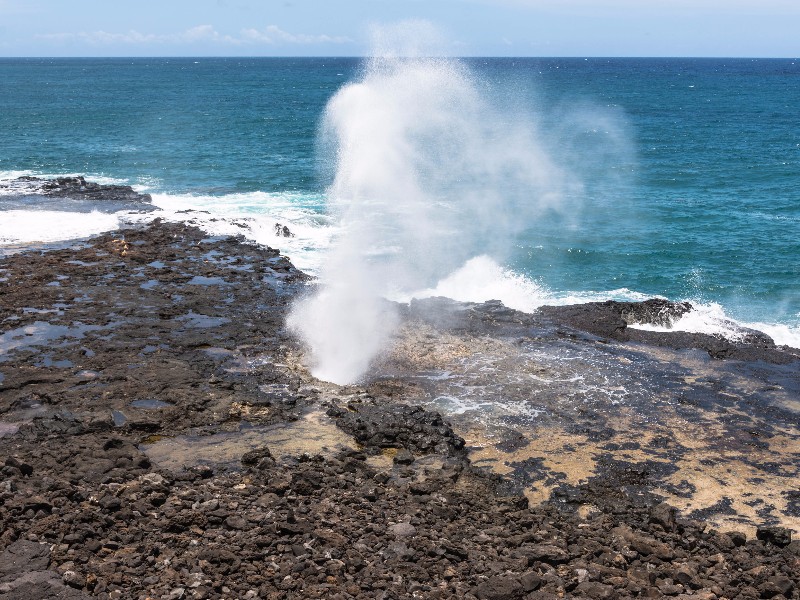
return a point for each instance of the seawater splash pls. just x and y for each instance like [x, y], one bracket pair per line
[482, 279]
[711, 318]
[429, 173]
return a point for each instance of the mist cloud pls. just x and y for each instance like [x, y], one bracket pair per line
[429, 174]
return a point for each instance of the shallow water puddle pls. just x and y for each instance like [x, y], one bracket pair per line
[202, 280]
[313, 434]
[150, 404]
[41, 333]
[193, 320]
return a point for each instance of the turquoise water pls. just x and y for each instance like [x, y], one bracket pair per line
[688, 169]
[176, 125]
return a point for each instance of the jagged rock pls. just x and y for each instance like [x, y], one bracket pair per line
[546, 553]
[778, 536]
[664, 515]
[611, 320]
[398, 426]
[403, 457]
[775, 585]
[402, 530]
[78, 187]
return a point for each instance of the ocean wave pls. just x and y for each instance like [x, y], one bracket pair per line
[481, 279]
[14, 174]
[710, 318]
[259, 217]
[782, 335]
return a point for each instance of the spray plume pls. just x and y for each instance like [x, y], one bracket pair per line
[429, 174]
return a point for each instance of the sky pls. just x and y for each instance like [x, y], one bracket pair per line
[729, 28]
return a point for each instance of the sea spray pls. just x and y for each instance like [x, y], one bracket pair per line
[482, 279]
[428, 174]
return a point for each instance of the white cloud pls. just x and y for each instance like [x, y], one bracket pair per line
[202, 33]
[104, 37]
[275, 35]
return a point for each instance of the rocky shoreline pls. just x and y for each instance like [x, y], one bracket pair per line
[160, 438]
[77, 188]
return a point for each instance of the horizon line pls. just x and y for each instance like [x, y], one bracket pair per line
[362, 57]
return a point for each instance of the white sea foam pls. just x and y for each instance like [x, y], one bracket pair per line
[711, 318]
[481, 279]
[19, 227]
[782, 334]
[704, 318]
[254, 215]
[6, 176]
[565, 298]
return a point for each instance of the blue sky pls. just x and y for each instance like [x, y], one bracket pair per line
[340, 27]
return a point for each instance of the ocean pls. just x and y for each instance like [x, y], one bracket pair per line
[529, 180]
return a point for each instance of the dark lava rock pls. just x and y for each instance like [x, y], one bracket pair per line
[738, 538]
[253, 457]
[403, 457]
[79, 188]
[23, 574]
[499, 588]
[597, 590]
[546, 553]
[530, 581]
[40, 585]
[654, 311]
[664, 515]
[22, 556]
[398, 426]
[777, 536]
[283, 231]
[776, 585]
[236, 522]
[611, 320]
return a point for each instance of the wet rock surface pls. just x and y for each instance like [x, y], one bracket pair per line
[554, 407]
[77, 188]
[157, 334]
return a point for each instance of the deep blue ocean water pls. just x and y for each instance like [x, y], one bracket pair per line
[689, 169]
